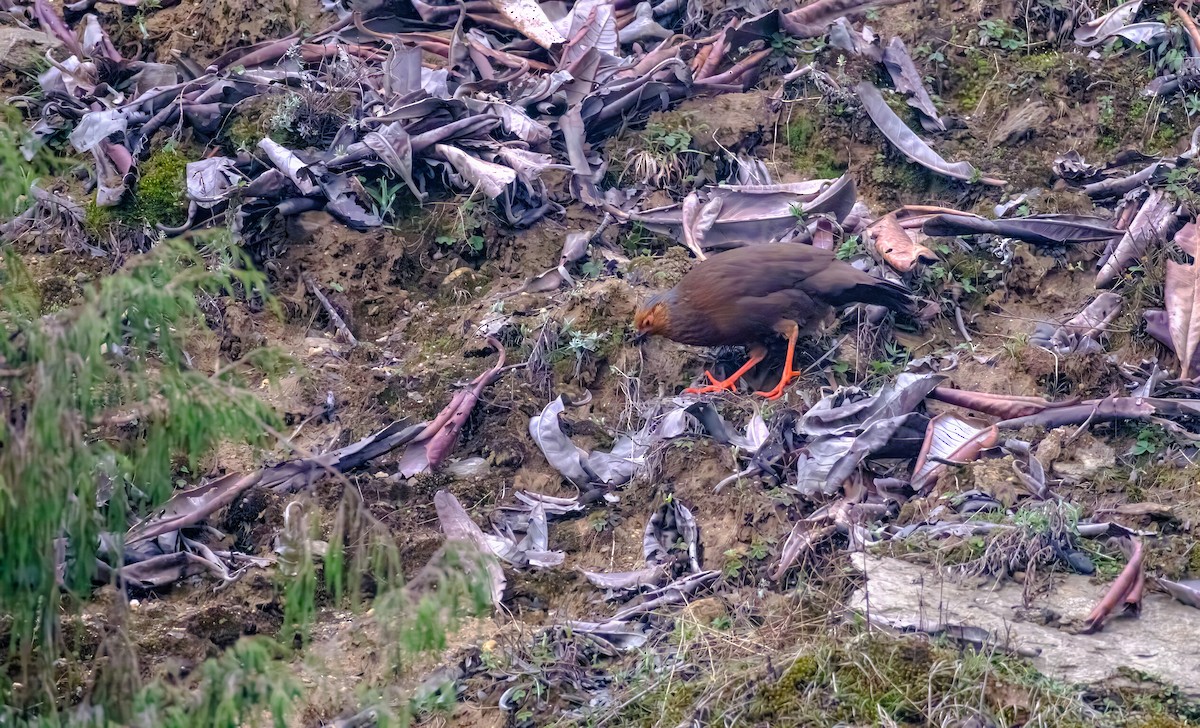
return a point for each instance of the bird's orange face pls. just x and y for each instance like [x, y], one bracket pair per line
[651, 319]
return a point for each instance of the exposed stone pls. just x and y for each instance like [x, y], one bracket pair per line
[23, 50]
[913, 597]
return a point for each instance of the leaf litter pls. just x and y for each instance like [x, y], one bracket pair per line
[513, 103]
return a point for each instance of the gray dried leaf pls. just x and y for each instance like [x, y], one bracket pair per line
[643, 27]
[563, 455]
[209, 181]
[1105, 26]
[626, 580]
[529, 18]
[850, 409]
[489, 177]
[697, 221]
[528, 165]
[392, 144]
[804, 537]
[286, 161]
[816, 461]
[96, 126]
[1073, 168]
[908, 80]
[458, 526]
[879, 435]
[909, 144]
[1152, 224]
[843, 36]
[1040, 229]
[952, 438]
[1082, 332]
[516, 122]
[1119, 23]
[757, 213]
[155, 75]
[166, 569]
[1187, 592]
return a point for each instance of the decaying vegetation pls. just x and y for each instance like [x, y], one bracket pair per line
[321, 404]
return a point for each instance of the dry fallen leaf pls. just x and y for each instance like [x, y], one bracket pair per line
[529, 18]
[1183, 313]
[896, 246]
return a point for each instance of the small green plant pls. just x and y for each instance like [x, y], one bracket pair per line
[734, 565]
[1150, 440]
[760, 547]
[1183, 182]
[665, 159]
[850, 247]
[664, 140]
[996, 32]
[1015, 345]
[465, 230]
[383, 198]
[932, 57]
[1106, 113]
[16, 174]
[637, 240]
[284, 115]
[139, 18]
[1191, 104]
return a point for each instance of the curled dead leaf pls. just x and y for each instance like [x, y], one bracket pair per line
[896, 246]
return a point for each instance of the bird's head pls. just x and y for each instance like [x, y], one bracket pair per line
[653, 317]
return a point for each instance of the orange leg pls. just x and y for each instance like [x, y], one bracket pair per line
[792, 332]
[730, 384]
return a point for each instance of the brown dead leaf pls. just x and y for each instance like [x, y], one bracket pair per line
[1183, 313]
[1157, 511]
[896, 245]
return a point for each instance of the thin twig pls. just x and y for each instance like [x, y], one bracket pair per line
[338, 323]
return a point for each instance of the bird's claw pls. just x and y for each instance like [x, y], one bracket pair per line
[714, 386]
[788, 377]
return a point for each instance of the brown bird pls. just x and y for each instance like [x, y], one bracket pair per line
[749, 295]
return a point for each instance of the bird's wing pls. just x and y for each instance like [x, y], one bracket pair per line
[767, 269]
[844, 284]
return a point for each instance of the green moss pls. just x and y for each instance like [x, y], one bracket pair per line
[160, 196]
[444, 344]
[970, 80]
[672, 704]
[900, 174]
[1040, 64]
[1164, 139]
[97, 220]
[896, 677]
[1153, 704]
[269, 116]
[810, 153]
[785, 697]
[1139, 108]
[244, 132]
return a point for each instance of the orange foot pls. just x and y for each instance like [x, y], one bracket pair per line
[730, 384]
[789, 375]
[792, 332]
[715, 385]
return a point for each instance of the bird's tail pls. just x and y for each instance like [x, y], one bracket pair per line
[886, 293]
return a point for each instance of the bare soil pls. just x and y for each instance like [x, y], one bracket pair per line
[415, 306]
